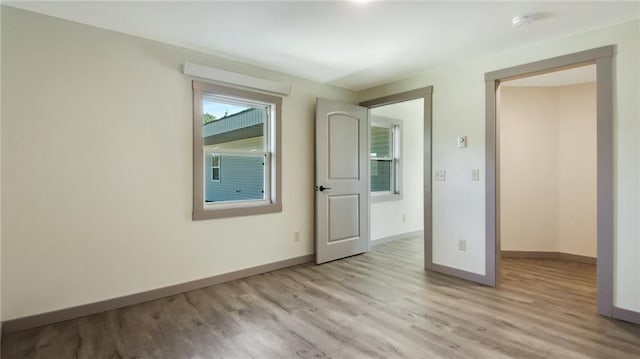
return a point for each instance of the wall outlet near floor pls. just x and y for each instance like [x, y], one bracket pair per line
[439, 175]
[296, 237]
[462, 245]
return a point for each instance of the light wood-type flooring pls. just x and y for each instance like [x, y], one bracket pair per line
[378, 305]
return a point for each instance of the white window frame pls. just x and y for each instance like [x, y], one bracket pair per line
[213, 167]
[395, 125]
[271, 201]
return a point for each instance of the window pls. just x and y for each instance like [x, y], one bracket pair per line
[385, 159]
[215, 168]
[240, 129]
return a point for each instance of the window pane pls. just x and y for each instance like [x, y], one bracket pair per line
[380, 176]
[241, 178]
[237, 152]
[380, 142]
[233, 126]
[239, 127]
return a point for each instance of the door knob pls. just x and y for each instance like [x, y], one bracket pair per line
[322, 188]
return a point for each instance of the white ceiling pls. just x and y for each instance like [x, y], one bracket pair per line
[351, 44]
[577, 75]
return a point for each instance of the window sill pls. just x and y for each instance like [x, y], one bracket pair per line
[248, 210]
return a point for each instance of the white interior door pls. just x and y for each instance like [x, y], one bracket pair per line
[342, 180]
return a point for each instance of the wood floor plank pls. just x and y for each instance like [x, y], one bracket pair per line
[381, 304]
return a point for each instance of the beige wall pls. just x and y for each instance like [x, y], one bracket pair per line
[386, 217]
[528, 169]
[459, 109]
[548, 169]
[577, 205]
[97, 167]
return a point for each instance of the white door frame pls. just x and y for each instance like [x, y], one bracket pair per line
[424, 93]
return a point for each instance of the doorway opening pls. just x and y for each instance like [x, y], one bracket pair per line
[395, 167]
[602, 58]
[546, 126]
[400, 168]
[343, 177]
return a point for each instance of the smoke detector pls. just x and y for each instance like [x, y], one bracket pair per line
[522, 20]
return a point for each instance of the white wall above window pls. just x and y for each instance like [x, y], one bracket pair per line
[235, 79]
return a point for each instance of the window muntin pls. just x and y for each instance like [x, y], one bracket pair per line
[237, 128]
[385, 157]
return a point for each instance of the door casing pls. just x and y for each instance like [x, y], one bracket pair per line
[602, 57]
[424, 93]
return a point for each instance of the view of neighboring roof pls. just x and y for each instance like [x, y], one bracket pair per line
[244, 124]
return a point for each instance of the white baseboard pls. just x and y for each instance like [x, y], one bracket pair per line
[383, 240]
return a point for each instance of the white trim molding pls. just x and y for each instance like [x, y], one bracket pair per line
[383, 240]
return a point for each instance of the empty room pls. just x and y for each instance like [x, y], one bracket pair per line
[320, 179]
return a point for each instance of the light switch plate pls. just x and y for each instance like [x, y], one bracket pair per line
[475, 174]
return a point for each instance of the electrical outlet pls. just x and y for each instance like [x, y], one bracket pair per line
[462, 245]
[296, 237]
[439, 175]
[404, 217]
[475, 174]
